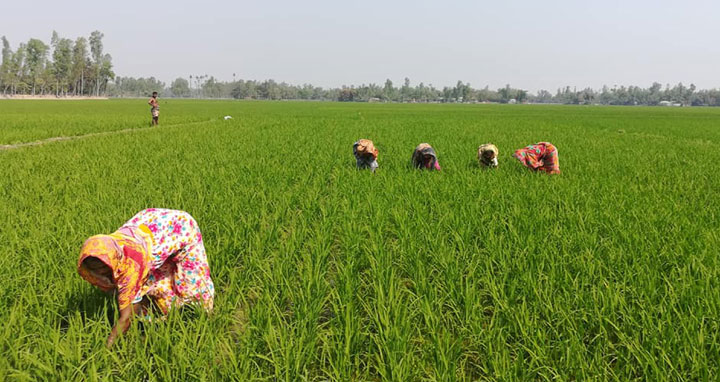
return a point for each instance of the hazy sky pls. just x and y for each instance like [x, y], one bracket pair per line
[529, 44]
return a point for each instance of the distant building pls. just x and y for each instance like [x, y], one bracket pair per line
[664, 103]
[512, 101]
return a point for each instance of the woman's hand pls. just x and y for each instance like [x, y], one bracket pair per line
[121, 326]
[111, 339]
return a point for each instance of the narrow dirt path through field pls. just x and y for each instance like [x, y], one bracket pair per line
[90, 135]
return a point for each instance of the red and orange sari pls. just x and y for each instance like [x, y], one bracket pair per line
[127, 253]
[542, 156]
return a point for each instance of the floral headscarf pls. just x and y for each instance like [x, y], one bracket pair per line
[127, 253]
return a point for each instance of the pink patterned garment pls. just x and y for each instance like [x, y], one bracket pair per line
[179, 270]
[542, 156]
[424, 156]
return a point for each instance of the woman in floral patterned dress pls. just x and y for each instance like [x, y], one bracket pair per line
[542, 156]
[158, 256]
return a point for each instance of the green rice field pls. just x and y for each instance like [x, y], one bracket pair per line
[607, 272]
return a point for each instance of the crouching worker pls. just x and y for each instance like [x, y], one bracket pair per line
[365, 154]
[487, 155]
[157, 256]
[424, 157]
[542, 156]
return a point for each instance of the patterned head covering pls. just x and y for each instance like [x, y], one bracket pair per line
[421, 151]
[103, 248]
[365, 147]
[127, 253]
[487, 155]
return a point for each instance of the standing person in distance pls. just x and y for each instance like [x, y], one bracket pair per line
[154, 109]
[365, 154]
[424, 157]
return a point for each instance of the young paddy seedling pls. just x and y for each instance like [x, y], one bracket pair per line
[606, 272]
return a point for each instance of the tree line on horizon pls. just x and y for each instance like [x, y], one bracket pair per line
[203, 86]
[64, 67]
[80, 67]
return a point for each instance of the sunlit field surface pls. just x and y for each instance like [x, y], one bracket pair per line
[609, 271]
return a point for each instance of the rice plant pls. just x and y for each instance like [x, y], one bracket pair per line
[608, 271]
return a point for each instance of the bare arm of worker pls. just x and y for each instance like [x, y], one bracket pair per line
[122, 324]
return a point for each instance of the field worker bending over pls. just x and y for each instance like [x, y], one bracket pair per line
[154, 109]
[424, 157]
[157, 255]
[487, 155]
[365, 154]
[542, 156]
